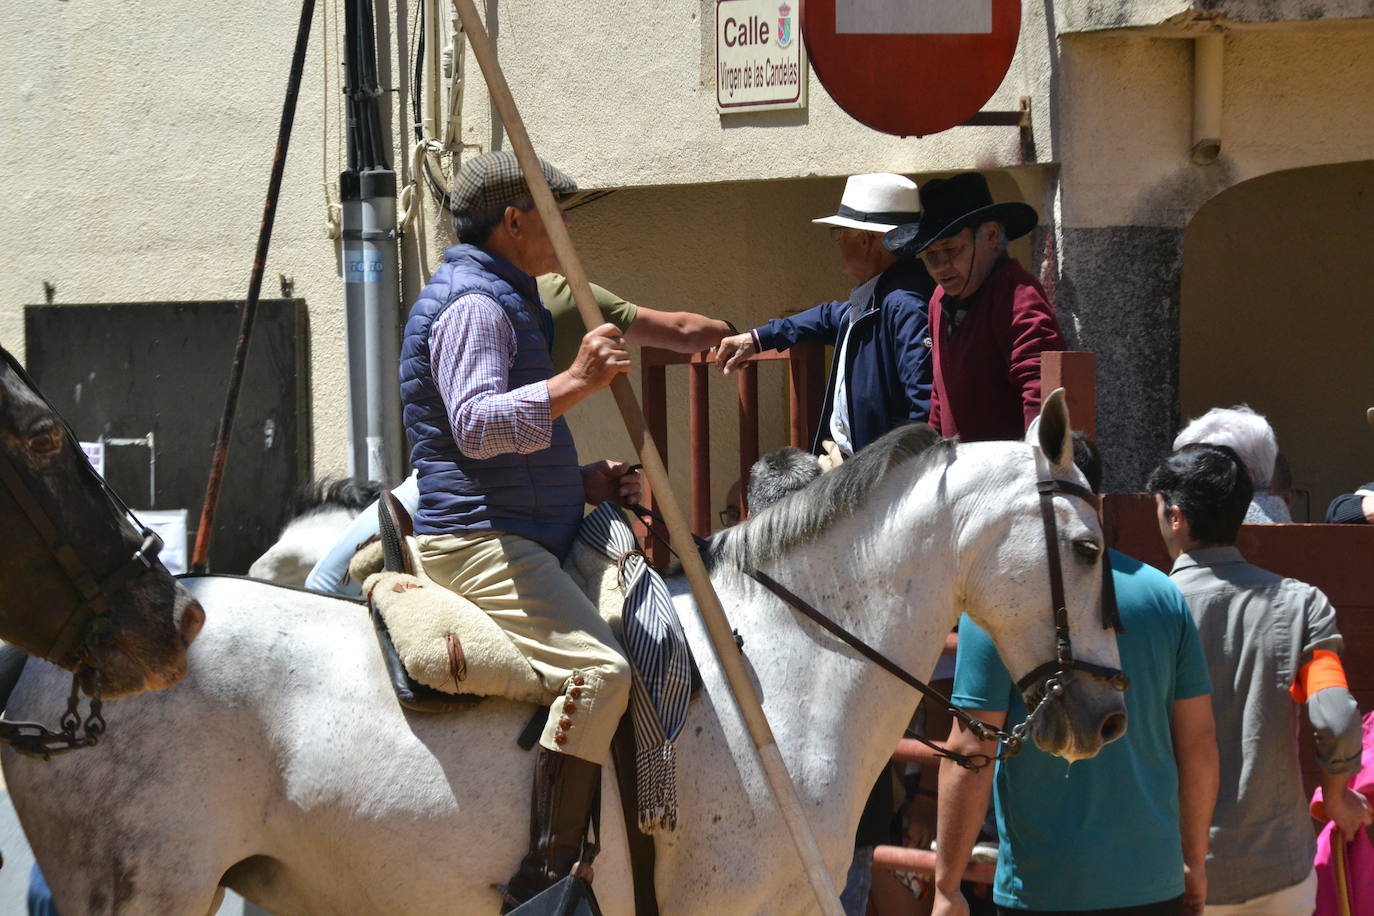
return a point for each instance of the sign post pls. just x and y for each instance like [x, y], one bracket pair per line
[911, 67]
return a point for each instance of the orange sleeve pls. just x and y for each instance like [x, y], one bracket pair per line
[1323, 671]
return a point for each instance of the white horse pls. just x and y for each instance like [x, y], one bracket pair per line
[324, 510]
[283, 768]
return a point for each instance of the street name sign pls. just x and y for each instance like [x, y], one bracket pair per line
[911, 67]
[760, 60]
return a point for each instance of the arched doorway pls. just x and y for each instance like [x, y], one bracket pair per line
[1277, 311]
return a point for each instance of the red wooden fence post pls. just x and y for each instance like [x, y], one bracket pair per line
[654, 383]
[807, 389]
[699, 413]
[748, 426]
[1076, 372]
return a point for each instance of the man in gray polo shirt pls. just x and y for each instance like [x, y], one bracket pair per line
[1271, 643]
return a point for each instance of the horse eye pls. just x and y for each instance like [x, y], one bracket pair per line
[1088, 549]
[46, 441]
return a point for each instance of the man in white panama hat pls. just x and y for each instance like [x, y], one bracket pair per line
[882, 370]
[880, 378]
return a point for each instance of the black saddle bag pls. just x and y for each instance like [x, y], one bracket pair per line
[570, 896]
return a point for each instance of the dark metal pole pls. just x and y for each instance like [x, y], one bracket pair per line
[200, 558]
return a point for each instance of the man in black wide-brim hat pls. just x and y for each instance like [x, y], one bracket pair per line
[990, 318]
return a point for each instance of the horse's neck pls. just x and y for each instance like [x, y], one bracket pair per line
[837, 716]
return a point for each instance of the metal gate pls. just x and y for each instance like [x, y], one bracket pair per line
[148, 379]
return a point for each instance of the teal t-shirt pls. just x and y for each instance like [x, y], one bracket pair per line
[1104, 832]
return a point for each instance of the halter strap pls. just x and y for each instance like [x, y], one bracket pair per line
[74, 633]
[1047, 679]
[1064, 662]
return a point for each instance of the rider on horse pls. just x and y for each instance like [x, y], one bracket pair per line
[501, 493]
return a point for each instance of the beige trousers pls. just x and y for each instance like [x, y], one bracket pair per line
[1298, 900]
[550, 620]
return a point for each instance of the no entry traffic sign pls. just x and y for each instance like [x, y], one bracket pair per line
[911, 67]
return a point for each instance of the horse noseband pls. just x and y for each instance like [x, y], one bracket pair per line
[1049, 680]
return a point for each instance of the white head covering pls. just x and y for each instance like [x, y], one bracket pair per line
[876, 203]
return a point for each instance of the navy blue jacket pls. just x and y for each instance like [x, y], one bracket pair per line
[1348, 508]
[537, 495]
[888, 371]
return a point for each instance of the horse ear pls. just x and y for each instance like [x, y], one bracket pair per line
[1052, 430]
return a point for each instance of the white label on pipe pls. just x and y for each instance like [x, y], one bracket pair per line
[363, 267]
[913, 17]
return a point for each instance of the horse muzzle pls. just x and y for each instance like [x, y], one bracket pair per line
[1085, 714]
[130, 662]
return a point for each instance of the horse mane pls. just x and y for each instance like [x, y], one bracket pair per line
[336, 492]
[797, 517]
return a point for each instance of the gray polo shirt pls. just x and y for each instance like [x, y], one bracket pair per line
[1257, 630]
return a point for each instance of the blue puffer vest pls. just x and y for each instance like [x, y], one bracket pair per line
[538, 496]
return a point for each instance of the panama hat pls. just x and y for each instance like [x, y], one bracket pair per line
[949, 205]
[876, 203]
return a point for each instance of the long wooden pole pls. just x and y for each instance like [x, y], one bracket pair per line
[1342, 872]
[200, 556]
[713, 614]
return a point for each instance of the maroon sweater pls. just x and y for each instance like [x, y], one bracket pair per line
[987, 367]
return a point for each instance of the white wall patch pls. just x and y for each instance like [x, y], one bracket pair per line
[913, 17]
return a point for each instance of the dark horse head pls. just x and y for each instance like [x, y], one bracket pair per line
[78, 585]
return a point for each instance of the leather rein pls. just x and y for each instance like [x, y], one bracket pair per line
[71, 637]
[1047, 680]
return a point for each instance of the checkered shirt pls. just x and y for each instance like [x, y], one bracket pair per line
[471, 348]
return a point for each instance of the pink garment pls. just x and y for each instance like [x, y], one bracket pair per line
[1359, 855]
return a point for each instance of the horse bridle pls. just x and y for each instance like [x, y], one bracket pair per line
[72, 637]
[1044, 682]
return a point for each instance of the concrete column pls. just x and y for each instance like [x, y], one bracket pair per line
[1118, 296]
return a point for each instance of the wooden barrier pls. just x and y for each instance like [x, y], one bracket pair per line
[922, 862]
[1331, 557]
[806, 387]
[1076, 372]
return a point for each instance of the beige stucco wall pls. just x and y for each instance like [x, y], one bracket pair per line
[140, 138]
[635, 102]
[1276, 312]
[1289, 99]
[144, 141]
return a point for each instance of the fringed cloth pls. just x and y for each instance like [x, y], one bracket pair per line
[660, 661]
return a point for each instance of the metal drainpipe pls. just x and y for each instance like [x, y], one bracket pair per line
[1208, 51]
[371, 282]
[432, 105]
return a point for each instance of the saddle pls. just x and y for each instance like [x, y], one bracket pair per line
[443, 653]
[427, 634]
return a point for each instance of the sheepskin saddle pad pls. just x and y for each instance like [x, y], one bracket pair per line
[445, 653]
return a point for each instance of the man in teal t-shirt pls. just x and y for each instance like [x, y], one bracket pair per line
[1107, 834]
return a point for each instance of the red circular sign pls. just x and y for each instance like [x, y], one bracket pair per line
[911, 67]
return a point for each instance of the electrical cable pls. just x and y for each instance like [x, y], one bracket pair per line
[436, 187]
[421, 164]
[333, 212]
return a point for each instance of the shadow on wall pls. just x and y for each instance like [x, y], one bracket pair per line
[1275, 312]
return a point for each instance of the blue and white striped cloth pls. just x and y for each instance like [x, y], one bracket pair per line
[661, 663]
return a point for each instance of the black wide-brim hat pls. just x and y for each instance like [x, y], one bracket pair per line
[950, 204]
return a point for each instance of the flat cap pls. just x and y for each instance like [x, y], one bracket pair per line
[494, 180]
